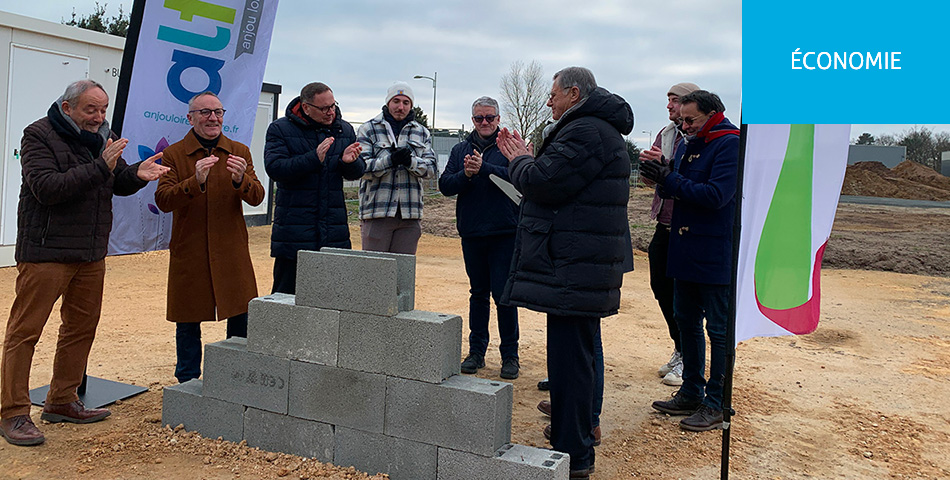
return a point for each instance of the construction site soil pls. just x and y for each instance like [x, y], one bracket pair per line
[864, 396]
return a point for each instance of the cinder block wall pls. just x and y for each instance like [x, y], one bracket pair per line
[348, 372]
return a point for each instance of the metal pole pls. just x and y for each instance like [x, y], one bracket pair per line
[727, 411]
[434, 79]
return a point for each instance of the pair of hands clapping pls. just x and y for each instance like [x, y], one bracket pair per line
[512, 145]
[349, 154]
[235, 164]
[148, 170]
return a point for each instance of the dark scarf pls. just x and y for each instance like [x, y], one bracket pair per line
[67, 129]
[397, 125]
[207, 144]
[481, 144]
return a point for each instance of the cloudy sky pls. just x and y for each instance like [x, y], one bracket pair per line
[635, 49]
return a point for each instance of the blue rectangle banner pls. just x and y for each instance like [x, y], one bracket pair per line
[843, 62]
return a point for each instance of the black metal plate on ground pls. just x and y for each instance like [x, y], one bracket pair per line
[99, 392]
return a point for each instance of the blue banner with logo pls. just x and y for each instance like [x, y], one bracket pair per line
[842, 62]
[177, 49]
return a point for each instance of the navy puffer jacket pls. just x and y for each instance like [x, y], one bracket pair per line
[310, 212]
[573, 239]
[482, 209]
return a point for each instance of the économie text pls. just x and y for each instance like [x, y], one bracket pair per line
[845, 60]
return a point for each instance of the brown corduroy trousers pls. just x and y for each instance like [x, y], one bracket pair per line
[38, 286]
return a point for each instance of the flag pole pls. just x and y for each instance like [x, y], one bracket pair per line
[125, 70]
[727, 411]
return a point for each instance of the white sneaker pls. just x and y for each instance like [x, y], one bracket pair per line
[676, 359]
[675, 376]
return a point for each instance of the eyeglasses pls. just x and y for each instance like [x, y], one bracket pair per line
[553, 94]
[206, 112]
[487, 118]
[692, 120]
[325, 110]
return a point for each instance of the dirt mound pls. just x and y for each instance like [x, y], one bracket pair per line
[907, 180]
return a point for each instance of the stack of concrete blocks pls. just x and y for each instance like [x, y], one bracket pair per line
[348, 372]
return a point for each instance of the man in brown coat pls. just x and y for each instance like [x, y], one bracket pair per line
[72, 165]
[210, 276]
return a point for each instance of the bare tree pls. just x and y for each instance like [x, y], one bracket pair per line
[524, 97]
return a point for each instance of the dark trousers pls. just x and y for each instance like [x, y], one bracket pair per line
[285, 276]
[662, 285]
[487, 260]
[188, 345]
[693, 302]
[571, 375]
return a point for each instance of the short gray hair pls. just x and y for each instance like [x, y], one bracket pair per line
[485, 102]
[77, 88]
[579, 77]
[191, 103]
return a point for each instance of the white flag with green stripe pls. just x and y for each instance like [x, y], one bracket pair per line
[791, 183]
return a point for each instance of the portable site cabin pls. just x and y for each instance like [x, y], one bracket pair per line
[38, 59]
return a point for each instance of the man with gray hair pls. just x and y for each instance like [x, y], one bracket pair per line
[573, 243]
[71, 166]
[486, 222]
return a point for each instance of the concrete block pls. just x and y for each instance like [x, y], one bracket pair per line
[337, 396]
[405, 273]
[463, 413]
[283, 433]
[377, 453]
[416, 345]
[234, 374]
[349, 283]
[277, 326]
[212, 418]
[510, 461]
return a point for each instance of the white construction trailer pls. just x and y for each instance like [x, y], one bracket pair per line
[38, 59]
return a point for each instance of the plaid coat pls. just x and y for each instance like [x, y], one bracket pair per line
[383, 188]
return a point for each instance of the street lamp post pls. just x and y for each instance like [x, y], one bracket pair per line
[649, 137]
[433, 78]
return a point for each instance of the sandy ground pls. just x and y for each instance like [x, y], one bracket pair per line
[862, 397]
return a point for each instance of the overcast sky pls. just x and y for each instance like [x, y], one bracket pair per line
[359, 48]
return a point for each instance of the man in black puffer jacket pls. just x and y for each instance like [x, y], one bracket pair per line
[573, 243]
[308, 153]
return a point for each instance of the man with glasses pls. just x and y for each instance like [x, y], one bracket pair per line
[703, 181]
[486, 222]
[210, 276]
[662, 211]
[71, 167]
[398, 154]
[573, 243]
[309, 151]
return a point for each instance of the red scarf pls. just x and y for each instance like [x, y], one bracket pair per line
[712, 122]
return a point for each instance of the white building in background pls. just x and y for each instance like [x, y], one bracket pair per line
[38, 59]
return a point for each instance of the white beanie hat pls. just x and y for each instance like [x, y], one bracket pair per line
[400, 88]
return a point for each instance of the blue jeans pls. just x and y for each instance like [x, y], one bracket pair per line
[188, 345]
[691, 303]
[487, 260]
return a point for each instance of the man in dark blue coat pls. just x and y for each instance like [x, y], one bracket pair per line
[573, 242]
[703, 183]
[486, 221]
[308, 153]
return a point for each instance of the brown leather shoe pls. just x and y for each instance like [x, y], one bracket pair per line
[74, 412]
[20, 430]
[545, 407]
[547, 433]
